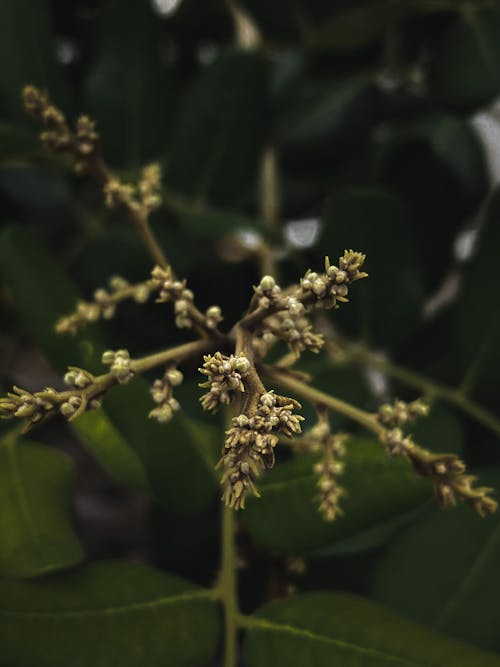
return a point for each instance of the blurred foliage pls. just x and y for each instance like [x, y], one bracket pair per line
[369, 108]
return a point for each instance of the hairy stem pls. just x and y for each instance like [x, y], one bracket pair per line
[319, 398]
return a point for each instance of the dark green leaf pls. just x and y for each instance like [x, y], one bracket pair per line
[477, 331]
[41, 292]
[354, 27]
[386, 307]
[126, 89]
[107, 614]
[178, 457]
[27, 52]
[319, 115]
[286, 519]
[464, 71]
[115, 454]
[444, 572]
[219, 134]
[327, 629]
[35, 495]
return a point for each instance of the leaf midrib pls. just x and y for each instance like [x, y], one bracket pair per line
[265, 624]
[107, 611]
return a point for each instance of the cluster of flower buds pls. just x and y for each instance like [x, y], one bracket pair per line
[250, 442]
[162, 393]
[329, 469]
[292, 327]
[56, 136]
[225, 377]
[22, 404]
[446, 472]
[104, 303]
[150, 186]
[213, 317]
[399, 413]
[327, 289]
[449, 481]
[268, 293]
[176, 291]
[86, 141]
[119, 363]
[117, 193]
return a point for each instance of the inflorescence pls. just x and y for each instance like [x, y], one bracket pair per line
[232, 376]
[250, 442]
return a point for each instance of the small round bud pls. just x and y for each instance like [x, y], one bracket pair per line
[175, 377]
[117, 283]
[267, 283]
[242, 365]
[67, 410]
[241, 421]
[70, 378]
[268, 400]
[81, 380]
[101, 296]
[108, 357]
[213, 313]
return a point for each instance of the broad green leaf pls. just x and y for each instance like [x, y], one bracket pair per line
[435, 164]
[107, 614]
[354, 27]
[178, 457]
[42, 293]
[220, 131]
[36, 535]
[443, 571]
[478, 354]
[325, 629]
[126, 88]
[286, 519]
[320, 116]
[102, 437]
[464, 69]
[386, 307]
[27, 52]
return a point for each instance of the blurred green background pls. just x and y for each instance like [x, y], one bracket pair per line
[384, 122]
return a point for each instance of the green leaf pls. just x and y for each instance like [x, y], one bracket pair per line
[286, 519]
[464, 71]
[178, 457]
[436, 164]
[27, 52]
[220, 131]
[41, 292]
[102, 437]
[443, 571]
[126, 89]
[385, 307]
[478, 354]
[354, 27]
[318, 116]
[35, 518]
[107, 614]
[328, 629]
